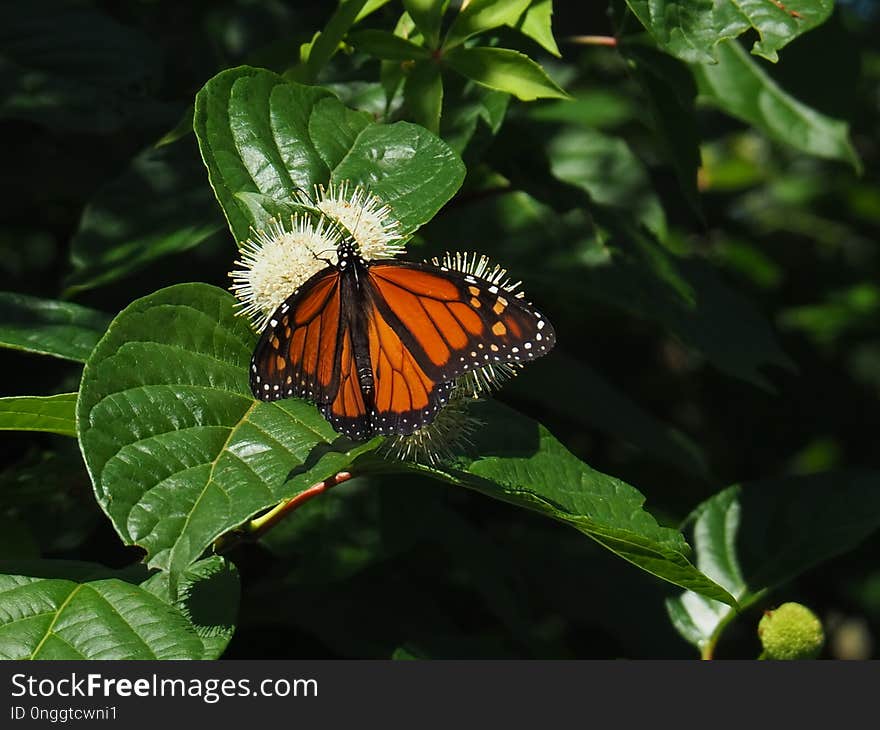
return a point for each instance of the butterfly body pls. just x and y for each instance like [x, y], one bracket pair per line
[377, 345]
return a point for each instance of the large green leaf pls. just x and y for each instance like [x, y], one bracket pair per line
[159, 206]
[266, 137]
[53, 413]
[53, 618]
[739, 86]
[522, 463]
[178, 450]
[691, 29]
[49, 327]
[754, 537]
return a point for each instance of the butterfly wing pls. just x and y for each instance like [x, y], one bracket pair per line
[308, 351]
[452, 322]
[404, 396]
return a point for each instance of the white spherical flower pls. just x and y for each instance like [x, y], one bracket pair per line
[362, 215]
[276, 261]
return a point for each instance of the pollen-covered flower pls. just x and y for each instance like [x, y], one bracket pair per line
[361, 214]
[276, 261]
[486, 378]
[440, 440]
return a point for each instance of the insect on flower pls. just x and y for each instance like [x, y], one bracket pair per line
[379, 344]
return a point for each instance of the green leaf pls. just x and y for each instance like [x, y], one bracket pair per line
[52, 414]
[49, 327]
[692, 29]
[207, 596]
[505, 70]
[427, 16]
[70, 67]
[740, 87]
[423, 95]
[261, 134]
[688, 298]
[322, 48]
[482, 15]
[177, 448]
[754, 537]
[385, 45]
[158, 207]
[606, 168]
[537, 23]
[523, 464]
[45, 618]
[671, 92]
[611, 410]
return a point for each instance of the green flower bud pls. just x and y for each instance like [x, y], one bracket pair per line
[792, 631]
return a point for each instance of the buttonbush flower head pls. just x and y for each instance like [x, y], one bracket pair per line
[363, 215]
[277, 260]
[439, 441]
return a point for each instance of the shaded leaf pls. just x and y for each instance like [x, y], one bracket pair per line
[692, 29]
[522, 463]
[610, 410]
[740, 87]
[49, 327]
[754, 537]
[385, 45]
[158, 207]
[52, 413]
[505, 70]
[671, 93]
[207, 596]
[427, 16]
[606, 168]
[423, 95]
[178, 450]
[70, 67]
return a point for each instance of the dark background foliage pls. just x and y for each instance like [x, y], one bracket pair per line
[680, 405]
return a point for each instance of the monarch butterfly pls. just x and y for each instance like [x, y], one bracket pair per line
[376, 345]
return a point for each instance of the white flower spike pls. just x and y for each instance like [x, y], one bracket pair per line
[360, 213]
[276, 261]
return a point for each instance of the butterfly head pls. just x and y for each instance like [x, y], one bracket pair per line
[348, 255]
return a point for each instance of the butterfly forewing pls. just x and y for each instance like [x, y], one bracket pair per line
[454, 322]
[299, 352]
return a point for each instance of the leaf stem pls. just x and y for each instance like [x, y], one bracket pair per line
[259, 526]
[592, 40]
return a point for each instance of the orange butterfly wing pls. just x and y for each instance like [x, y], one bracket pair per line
[297, 353]
[453, 322]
